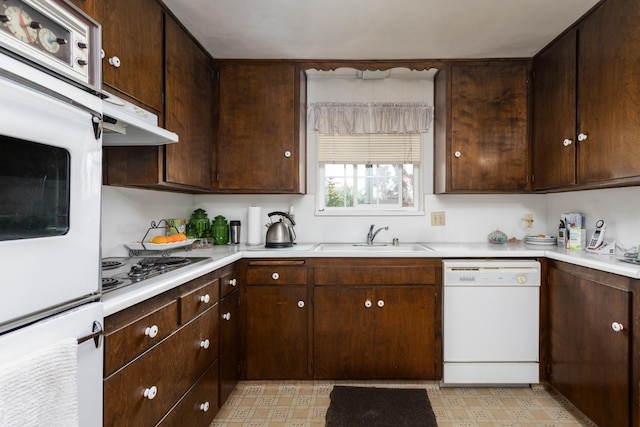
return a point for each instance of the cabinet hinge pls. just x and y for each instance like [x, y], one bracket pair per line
[548, 369]
[163, 97]
[217, 177]
[533, 177]
[218, 75]
[239, 368]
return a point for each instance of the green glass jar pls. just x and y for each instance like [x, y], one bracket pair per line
[220, 230]
[200, 221]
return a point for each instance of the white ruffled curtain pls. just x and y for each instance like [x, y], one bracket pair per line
[371, 117]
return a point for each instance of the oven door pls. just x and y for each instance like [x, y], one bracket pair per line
[50, 183]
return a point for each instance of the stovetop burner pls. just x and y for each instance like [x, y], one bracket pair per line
[110, 282]
[120, 272]
[110, 265]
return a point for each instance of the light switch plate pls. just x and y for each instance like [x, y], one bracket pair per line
[437, 219]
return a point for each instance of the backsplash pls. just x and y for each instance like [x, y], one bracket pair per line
[127, 213]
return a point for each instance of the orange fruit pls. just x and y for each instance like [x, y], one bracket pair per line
[159, 239]
[181, 237]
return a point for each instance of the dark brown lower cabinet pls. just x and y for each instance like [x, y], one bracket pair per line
[590, 363]
[277, 332]
[376, 318]
[229, 344]
[381, 332]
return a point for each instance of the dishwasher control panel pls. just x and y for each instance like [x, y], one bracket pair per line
[491, 273]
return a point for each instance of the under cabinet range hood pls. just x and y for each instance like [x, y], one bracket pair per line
[125, 124]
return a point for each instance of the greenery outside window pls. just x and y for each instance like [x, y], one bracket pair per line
[377, 173]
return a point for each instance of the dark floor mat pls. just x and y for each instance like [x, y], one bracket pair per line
[379, 407]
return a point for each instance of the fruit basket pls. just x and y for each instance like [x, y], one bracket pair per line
[136, 248]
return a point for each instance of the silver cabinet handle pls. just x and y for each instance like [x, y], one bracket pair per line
[226, 316]
[582, 137]
[287, 154]
[205, 298]
[380, 303]
[275, 276]
[567, 142]
[617, 327]
[204, 407]
[205, 344]
[457, 154]
[368, 303]
[233, 282]
[301, 304]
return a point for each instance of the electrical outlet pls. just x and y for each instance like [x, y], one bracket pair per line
[437, 219]
[527, 220]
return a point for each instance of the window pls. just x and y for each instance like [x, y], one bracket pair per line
[369, 172]
[369, 157]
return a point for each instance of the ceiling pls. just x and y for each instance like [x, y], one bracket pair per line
[376, 29]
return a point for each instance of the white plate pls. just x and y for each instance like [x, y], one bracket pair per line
[158, 246]
[546, 242]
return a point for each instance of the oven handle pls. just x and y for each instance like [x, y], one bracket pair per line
[96, 334]
[96, 118]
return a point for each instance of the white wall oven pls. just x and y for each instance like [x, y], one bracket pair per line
[50, 186]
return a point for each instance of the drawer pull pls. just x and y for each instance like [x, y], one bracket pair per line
[150, 392]
[204, 344]
[205, 298]
[275, 276]
[151, 331]
[380, 303]
[617, 327]
[204, 407]
[226, 316]
[368, 304]
[301, 304]
[233, 282]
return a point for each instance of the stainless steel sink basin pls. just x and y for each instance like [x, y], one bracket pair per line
[376, 247]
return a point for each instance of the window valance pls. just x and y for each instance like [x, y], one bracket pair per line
[371, 117]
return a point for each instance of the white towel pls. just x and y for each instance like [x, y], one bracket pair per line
[41, 388]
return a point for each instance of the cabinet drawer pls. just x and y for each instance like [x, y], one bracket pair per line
[124, 344]
[277, 275]
[228, 283]
[375, 275]
[198, 300]
[125, 402]
[199, 406]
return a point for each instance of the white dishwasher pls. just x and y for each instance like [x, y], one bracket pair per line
[491, 322]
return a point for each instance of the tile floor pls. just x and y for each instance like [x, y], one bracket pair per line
[305, 403]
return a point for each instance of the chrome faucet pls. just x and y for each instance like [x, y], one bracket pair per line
[372, 235]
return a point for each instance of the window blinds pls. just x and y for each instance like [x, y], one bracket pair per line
[369, 148]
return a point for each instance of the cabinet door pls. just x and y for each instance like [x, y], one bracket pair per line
[189, 110]
[343, 333]
[554, 112]
[489, 145]
[405, 336]
[229, 345]
[589, 361]
[277, 332]
[258, 130]
[132, 42]
[609, 93]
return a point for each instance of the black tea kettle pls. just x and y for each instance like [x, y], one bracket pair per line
[280, 234]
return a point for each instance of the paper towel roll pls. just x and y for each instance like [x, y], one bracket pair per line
[255, 227]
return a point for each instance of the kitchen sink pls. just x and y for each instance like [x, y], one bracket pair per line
[376, 247]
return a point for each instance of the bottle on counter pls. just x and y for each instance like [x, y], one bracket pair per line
[234, 231]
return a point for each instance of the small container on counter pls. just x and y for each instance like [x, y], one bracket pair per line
[234, 231]
[220, 230]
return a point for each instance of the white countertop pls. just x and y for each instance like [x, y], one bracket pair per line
[227, 254]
